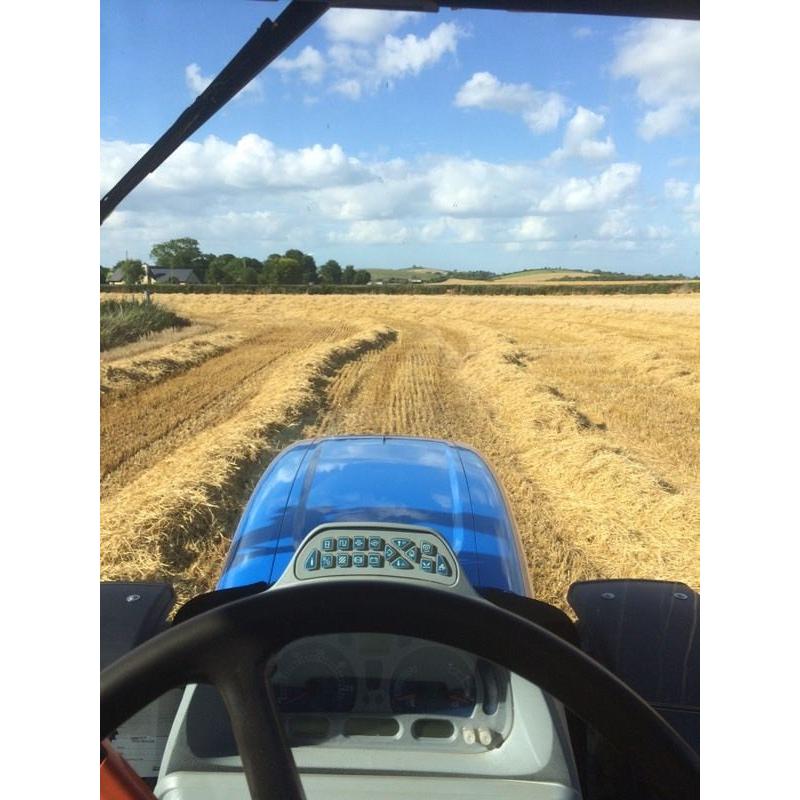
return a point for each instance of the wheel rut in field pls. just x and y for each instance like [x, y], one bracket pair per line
[140, 429]
[173, 521]
[417, 388]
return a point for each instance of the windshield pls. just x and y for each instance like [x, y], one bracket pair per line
[433, 270]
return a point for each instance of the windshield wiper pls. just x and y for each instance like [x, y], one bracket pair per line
[265, 45]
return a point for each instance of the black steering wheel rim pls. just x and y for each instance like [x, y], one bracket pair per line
[229, 645]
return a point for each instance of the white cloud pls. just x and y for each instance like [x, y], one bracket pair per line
[593, 246]
[582, 194]
[349, 87]
[363, 70]
[116, 158]
[694, 206]
[480, 188]
[533, 228]
[391, 194]
[250, 196]
[361, 26]
[364, 55]
[372, 231]
[541, 110]
[675, 189]
[347, 58]
[658, 232]
[584, 32]
[459, 231]
[663, 57]
[252, 163]
[397, 57]
[692, 210]
[616, 224]
[578, 140]
[197, 83]
[195, 80]
[309, 64]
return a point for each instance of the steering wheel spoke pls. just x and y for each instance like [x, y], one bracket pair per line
[257, 727]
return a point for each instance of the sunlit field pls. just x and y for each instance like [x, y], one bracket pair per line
[587, 407]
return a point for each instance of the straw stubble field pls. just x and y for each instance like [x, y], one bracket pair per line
[587, 408]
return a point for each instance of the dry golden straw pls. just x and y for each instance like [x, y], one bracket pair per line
[586, 406]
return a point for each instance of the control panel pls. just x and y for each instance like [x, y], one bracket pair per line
[376, 550]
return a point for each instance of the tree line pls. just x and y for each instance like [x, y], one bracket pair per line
[293, 267]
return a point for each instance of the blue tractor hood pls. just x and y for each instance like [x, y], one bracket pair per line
[435, 484]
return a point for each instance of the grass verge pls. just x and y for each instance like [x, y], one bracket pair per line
[123, 321]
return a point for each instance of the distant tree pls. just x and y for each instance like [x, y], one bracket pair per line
[200, 266]
[104, 273]
[330, 272]
[307, 264]
[472, 274]
[177, 253]
[309, 270]
[216, 273]
[348, 275]
[295, 255]
[132, 270]
[288, 271]
[362, 277]
[240, 271]
[218, 270]
[252, 263]
[268, 274]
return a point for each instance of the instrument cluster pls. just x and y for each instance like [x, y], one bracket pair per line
[345, 685]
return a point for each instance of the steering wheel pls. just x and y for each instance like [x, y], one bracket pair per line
[230, 645]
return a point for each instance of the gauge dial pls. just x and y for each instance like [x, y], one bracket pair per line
[313, 677]
[433, 680]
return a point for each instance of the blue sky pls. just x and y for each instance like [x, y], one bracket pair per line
[461, 140]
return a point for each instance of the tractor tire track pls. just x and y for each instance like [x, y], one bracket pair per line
[416, 388]
[140, 429]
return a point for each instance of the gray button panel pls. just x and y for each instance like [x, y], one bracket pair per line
[394, 551]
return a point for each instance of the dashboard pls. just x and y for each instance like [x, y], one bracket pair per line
[401, 691]
[371, 690]
[373, 704]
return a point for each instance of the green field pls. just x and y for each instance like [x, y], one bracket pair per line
[525, 276]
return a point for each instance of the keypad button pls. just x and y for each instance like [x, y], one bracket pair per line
[359, 559]
[428, 565]
[359, 543]
[344, 543]
[312, 560]
[328, 561]
[375, 560]
[329, 545]
[428, 548]
[402, 563]
[375, 543]
[403, 544]
[442, 567]
[343, 560]
[412, 554]
[390, 552]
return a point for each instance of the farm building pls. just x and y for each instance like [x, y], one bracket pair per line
[158, 275]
